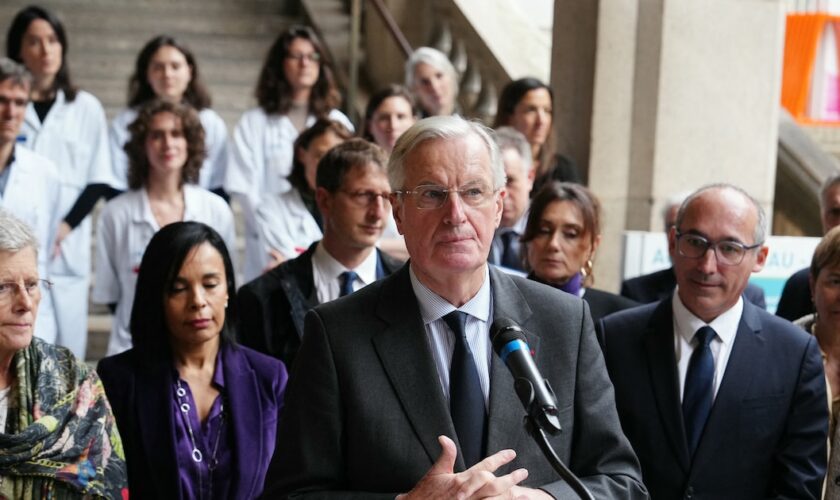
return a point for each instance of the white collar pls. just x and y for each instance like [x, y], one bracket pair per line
[331, 269]
[433, 306]
[725, 325]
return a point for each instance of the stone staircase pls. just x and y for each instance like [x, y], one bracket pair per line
[229, 38]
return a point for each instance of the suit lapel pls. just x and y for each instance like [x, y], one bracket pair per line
[245, 406]
[405, 356]
[299, 286]
[506, 412]
[747, 351]
[659, 347]
[154, 421]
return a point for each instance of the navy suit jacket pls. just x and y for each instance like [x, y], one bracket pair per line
[659, 285]
[141, 397]
[272, 306]
[766, 433]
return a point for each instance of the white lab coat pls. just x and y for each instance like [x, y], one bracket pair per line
[212, 174]
[284, 224]
[74, 135]
[261, 159]
[125, 227]
[32, 194]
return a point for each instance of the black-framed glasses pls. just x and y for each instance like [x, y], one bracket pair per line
[366, 198]
[312, 57]
[730, 253]
[430, 196]
[32, 288]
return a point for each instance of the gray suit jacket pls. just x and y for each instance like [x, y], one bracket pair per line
[364, 405]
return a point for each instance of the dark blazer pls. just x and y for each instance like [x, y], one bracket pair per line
[659, 285]
[365, 406]
[272, 306]
[766, 433]
[795, 301]
[141, 397]
[603, 303]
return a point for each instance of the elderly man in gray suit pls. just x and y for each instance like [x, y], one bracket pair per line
[386, 400]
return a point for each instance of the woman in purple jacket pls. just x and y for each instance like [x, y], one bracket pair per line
[197, 413]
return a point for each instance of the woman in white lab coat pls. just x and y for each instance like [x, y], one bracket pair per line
[165, 153]
[295, 88]
[167, 69]
[68, 126]
[287, 223]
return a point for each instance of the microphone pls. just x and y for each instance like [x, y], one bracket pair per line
[533, 390]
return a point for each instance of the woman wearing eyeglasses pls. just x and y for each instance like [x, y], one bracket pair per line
[561, 236]
[295, 88]
[288, 223]
[58, 438]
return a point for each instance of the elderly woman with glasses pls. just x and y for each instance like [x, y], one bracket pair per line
[58, 438]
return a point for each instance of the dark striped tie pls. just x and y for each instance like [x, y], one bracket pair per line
[699, 387]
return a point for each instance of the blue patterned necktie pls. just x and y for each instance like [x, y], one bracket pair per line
[699, 387]
[347, 278]
[510, 250]
[466, 401]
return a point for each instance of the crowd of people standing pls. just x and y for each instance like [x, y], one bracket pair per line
[367, 271]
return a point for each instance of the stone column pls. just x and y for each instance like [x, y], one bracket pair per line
[683, 94]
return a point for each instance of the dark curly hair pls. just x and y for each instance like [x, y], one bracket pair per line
[139, 89]
[135, 148]
[14, 42]
[273, 91]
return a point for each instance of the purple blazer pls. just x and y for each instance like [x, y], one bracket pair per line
[139, 395]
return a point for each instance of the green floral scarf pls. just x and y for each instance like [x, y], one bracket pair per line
[61, 440]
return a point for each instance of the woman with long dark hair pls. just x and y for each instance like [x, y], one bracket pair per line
[527, 105]
[295, 88]
[167, 69]
[197, 413]
[68, 126]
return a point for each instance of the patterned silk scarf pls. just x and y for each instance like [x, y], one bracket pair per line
[61, 440]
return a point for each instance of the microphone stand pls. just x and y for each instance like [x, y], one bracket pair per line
[537, 432]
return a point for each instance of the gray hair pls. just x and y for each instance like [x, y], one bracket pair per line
[15, 235]
[442, 127]
[435, 59]
[829, 184]
[675, 200]
[510, 138]
[17, 73]
[760, 231]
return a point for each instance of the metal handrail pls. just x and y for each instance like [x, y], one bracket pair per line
[392, 27]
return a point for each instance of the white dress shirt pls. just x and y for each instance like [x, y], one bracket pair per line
[686, 325]
[441, 340]
[326, 272]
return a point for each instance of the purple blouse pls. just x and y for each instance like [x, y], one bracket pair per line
[196, 479]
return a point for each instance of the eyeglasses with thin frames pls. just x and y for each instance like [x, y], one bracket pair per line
[32, 289]
[427, 197]
[365, 199]
[311, 57]
[730, 253]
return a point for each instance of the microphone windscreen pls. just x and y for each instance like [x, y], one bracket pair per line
[504, 330]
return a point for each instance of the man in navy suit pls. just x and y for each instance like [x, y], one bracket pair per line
[719, 398]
